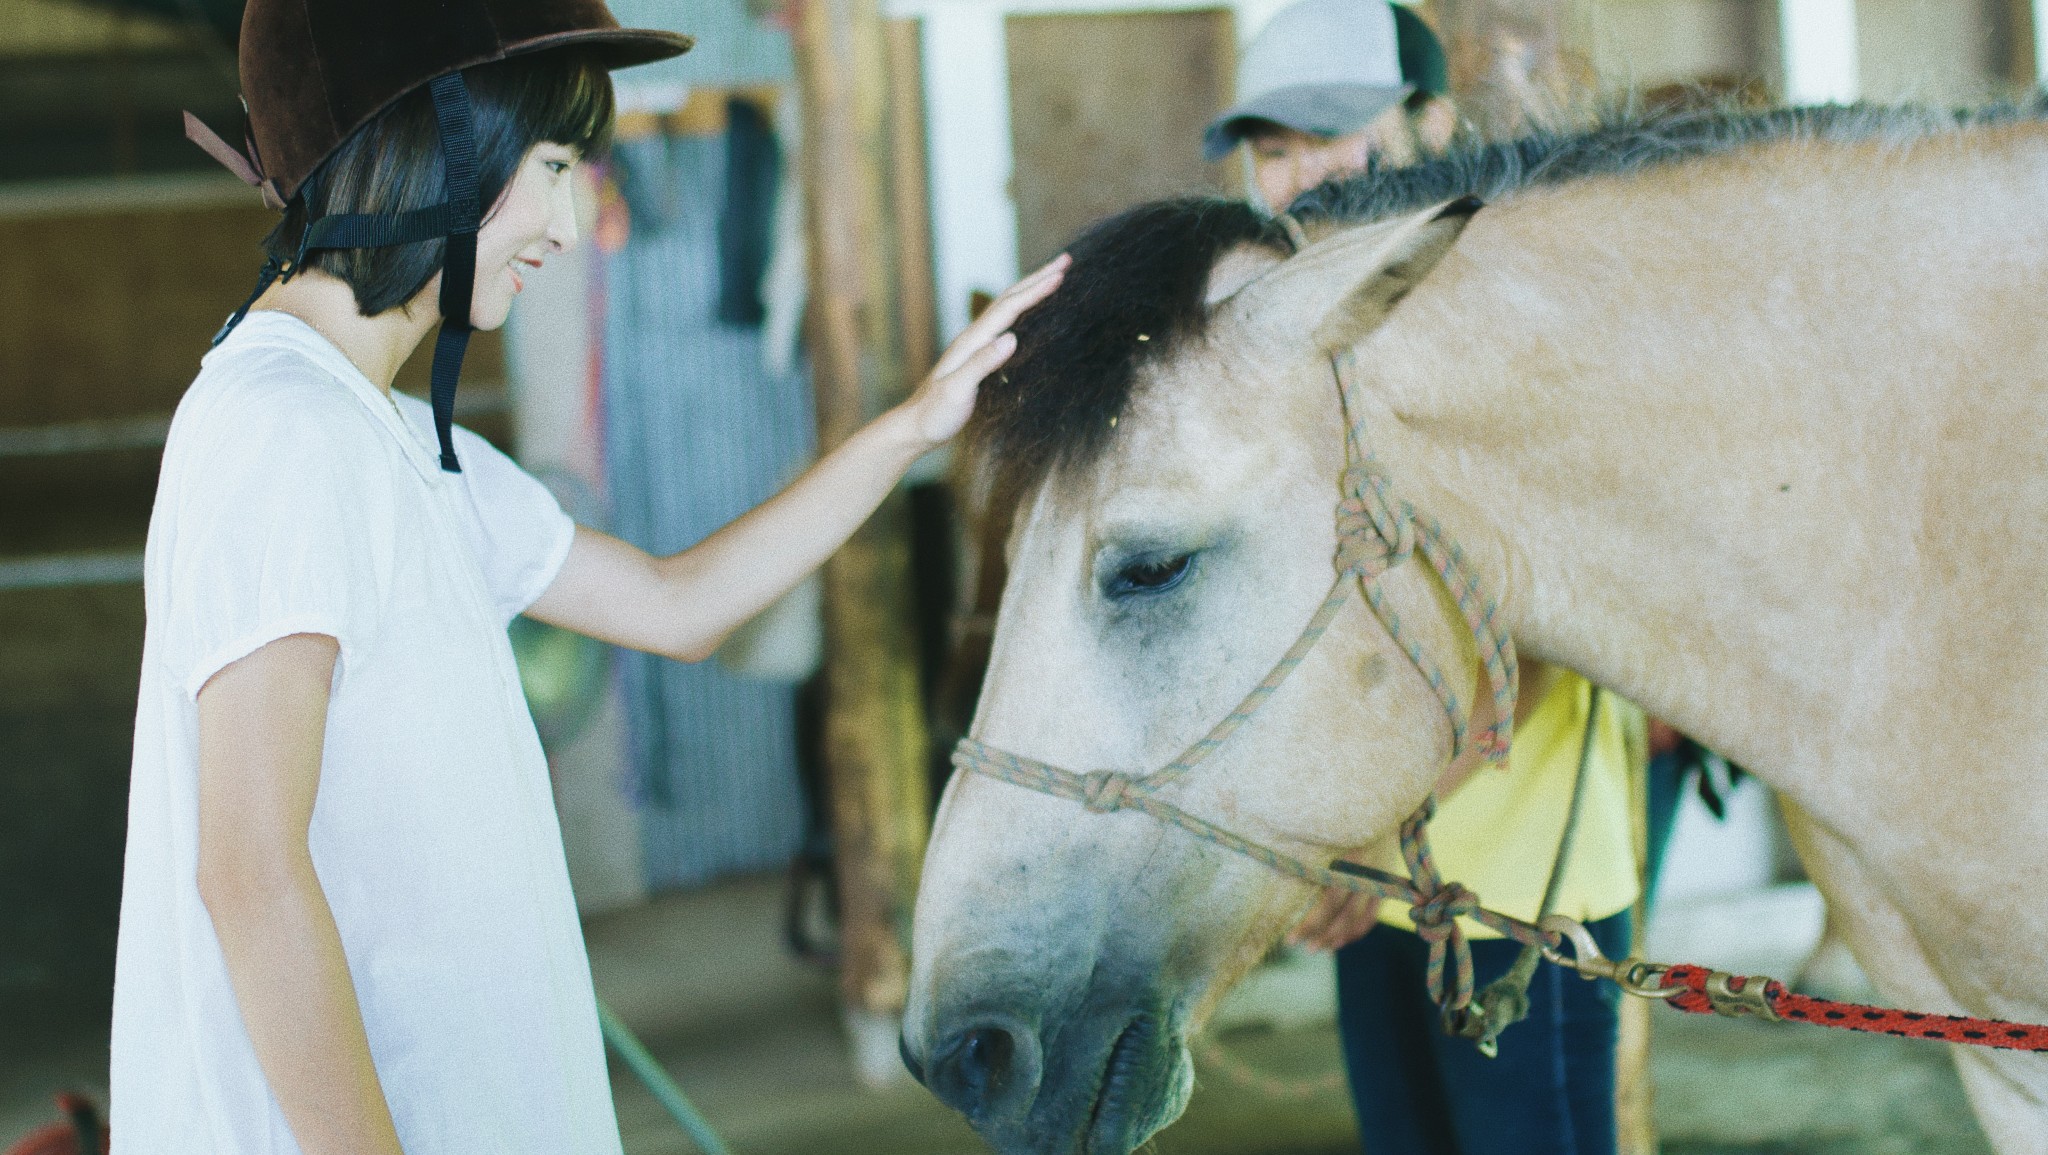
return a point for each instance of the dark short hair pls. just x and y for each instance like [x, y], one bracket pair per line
[393, 163]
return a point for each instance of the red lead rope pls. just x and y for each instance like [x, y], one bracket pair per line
[1736, 995]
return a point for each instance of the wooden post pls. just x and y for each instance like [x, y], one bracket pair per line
[875, 736]
[2027, 25]
[916, 295]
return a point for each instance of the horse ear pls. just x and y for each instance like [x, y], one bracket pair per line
[1348, 282]
[1408, 257]
[1236, 268]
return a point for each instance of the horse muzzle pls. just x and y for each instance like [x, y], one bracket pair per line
[1099, 1081]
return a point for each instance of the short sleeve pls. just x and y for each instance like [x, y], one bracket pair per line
[283, 525]
[521, 534]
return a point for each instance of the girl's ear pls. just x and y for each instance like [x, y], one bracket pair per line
[1340, 288]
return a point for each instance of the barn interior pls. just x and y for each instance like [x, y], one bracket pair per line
[744, 835]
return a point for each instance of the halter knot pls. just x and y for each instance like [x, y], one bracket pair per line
[1372, 535]
[1436, 917]
[1106, 791]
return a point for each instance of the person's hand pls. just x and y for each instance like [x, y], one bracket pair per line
[942, 405]
[1664, 738]
[1340, 918]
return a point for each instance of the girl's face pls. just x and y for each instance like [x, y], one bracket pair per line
[533, 220]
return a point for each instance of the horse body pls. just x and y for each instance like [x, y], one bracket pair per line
[1759, 439]
[1785, 486]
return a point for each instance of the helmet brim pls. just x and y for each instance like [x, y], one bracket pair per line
[615, 47]
[1317, 109]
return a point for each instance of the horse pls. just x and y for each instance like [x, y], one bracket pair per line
[1742, 415]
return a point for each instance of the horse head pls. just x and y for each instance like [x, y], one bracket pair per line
[1172, 436]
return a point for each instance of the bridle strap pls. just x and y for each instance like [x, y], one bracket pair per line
[1435, 905]
[1368, 483]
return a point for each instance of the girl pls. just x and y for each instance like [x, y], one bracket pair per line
[346, 924]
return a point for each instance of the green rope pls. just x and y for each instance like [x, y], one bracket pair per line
[656, 1079]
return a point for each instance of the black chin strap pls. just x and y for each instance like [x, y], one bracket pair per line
[458, 266]
[456, 218]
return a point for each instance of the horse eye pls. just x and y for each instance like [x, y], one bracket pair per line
[1149, 575]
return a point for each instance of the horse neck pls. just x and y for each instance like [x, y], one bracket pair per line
[1700, 464]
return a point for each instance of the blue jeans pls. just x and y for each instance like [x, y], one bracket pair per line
[1419, 1091]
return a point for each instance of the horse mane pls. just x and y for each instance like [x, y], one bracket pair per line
[1132, 296]
[1623, 142]
[1134, 292]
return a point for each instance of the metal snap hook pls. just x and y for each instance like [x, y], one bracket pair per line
[1632, 975]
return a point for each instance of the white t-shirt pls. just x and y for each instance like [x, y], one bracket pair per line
[295, 499]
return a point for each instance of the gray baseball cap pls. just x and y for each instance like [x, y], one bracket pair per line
[1327, 67]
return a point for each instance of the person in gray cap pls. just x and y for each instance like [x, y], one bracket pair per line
[1328, 84]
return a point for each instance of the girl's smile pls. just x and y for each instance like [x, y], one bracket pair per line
[535, 217]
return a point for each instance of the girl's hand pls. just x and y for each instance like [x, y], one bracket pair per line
[942, 405]
[1340, 918]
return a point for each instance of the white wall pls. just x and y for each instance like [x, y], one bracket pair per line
[1819, 47]
[967, 118]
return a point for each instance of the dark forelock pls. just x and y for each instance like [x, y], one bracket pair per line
[1132, 296]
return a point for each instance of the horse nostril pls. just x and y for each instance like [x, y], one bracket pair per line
[983, 1068]
[988, 1051]
[910, 1062]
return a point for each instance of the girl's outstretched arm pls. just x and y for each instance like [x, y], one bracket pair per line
[683, 606]
[262, 725]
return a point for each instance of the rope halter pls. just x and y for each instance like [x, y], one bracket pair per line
[1377, 531]
[1372, 536]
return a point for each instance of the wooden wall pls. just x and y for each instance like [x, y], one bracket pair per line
[44, 27]
[1941, 51]
[1715, 43]
[1107, 111]
[105, 313]
[1947, 52]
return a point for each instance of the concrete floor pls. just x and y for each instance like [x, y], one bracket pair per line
[754, 1038]
[1735, 1087]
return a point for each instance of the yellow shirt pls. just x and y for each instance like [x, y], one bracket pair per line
[1498, 832]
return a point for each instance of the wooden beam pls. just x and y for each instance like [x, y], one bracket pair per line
[875, 735]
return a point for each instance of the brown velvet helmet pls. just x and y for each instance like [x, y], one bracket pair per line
[314, 71]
